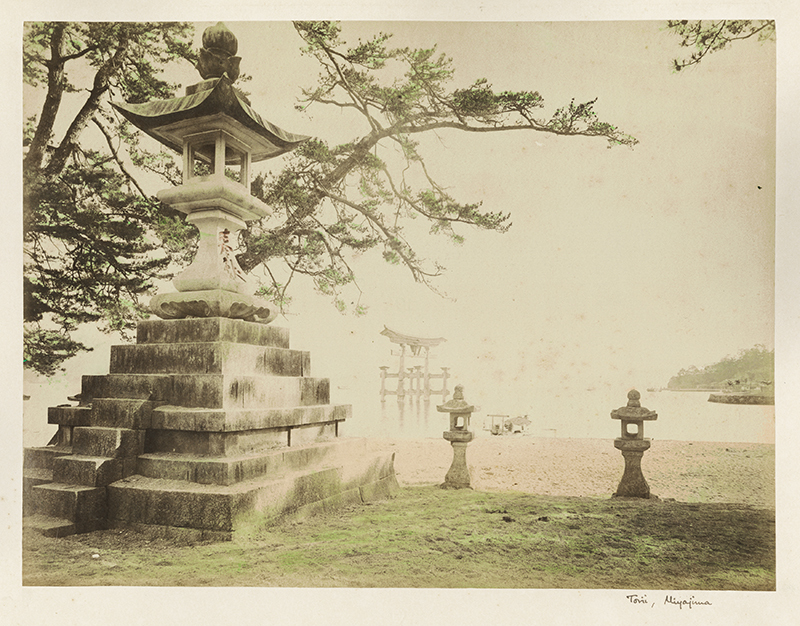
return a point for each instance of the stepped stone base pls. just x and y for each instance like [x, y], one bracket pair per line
[345, 475]
[202, 427]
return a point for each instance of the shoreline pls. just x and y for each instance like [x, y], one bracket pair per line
[742, 398]
[685, 471]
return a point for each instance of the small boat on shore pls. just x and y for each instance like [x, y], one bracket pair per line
[503, 425]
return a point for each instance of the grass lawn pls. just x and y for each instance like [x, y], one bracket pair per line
[427, 537]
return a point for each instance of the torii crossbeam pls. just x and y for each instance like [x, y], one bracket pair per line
[416, 345]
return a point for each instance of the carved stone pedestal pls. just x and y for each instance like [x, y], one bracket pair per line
[212, 303]
[457, 476]
[632, 484]
[213, 285]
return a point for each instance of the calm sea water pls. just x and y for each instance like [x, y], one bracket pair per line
[682, 416]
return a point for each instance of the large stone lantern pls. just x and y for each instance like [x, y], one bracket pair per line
[219, 135]
[208, 425]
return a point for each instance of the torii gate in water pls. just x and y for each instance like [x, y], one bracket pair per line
[419, 380]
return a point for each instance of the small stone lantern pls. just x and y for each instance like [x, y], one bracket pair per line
[459, 436]
[632, 444]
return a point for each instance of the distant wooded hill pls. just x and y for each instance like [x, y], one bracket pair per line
[748, 369]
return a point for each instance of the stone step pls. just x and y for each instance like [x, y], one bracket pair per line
[244, 392]
[32, 476]
[158, 502]
[168, 417]
[215, 443]
[42, 457]
[91, 471]
[211, 329]
[81, 504]
[124, 413]
[347, 472]
[219, 357]
[216, 470]
[207, 470]
[49, 526]
[104, 441]
[37, 475]
[213, 391]
[236, 443]
[156, 387]
[69, 415]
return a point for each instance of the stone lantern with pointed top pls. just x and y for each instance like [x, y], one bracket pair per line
[459, 436]
[633, 445]
[219, 135]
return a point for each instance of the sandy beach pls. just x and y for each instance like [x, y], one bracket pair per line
[686, 471]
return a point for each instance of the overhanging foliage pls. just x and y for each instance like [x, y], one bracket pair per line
[95, 241]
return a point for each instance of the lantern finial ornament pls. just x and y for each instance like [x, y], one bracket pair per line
[217, 56]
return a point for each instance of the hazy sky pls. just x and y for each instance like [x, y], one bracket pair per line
[637, 261]
[622, 266]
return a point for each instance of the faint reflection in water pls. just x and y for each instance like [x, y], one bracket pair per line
[681, 417]
[409, 416]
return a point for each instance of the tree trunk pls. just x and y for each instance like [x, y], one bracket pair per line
[55, 90]
[101, 84]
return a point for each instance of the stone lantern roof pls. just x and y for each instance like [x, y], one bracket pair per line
[634, 411]
[206, 106]
[457, 404]
[213, 104]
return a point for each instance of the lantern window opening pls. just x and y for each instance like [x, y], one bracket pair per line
[631, 429]
[216, 153]
[458, 421]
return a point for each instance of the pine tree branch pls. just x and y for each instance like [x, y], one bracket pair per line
[417, 272]
[101, 84]
[117, 159]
